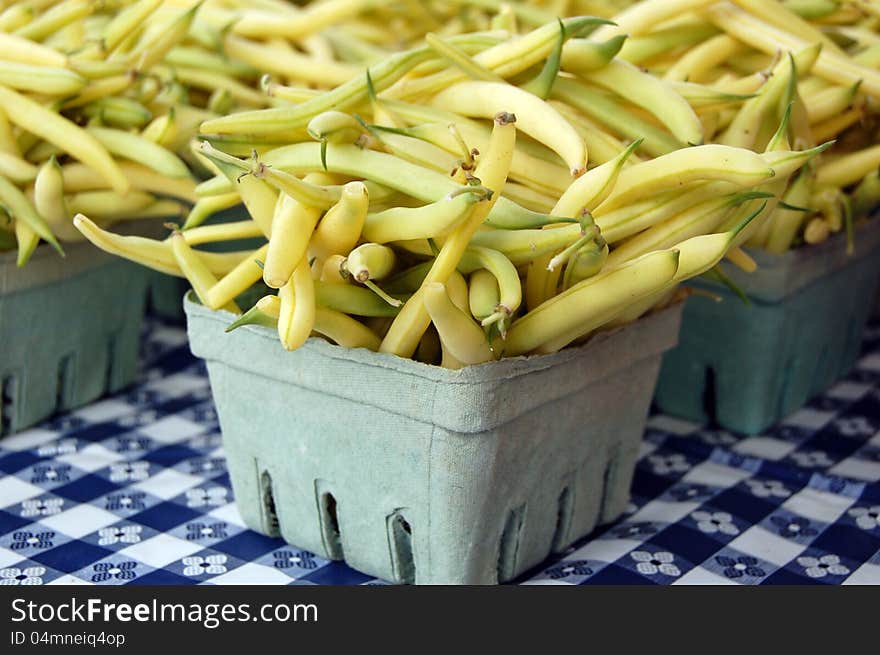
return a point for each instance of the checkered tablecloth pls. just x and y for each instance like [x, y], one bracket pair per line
[133, 490]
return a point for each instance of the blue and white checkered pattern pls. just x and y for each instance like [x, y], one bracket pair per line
[133, 490]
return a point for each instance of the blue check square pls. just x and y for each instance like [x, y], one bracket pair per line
[571, 571]
[164, 516]
[793, 527]
[113, 570]
[655, 563]
[27, 573]
[739, 567]
[31, 539]
[336, 573]
[206, 530]
[86, 488]
[821, 567]
[119, 535]
[293, 561]
[171, 455]
[247, 545]
[16, 461]
[126, 502]
[847, 541]
[204, 565]
[71, 556]
[10, 521]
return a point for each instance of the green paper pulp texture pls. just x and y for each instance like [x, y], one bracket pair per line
[69, 329]
[418, 474]
[745, 367]
[166, 291]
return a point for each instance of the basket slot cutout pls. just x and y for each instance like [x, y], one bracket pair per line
[710, 394]
[65, 382]
[8, 402]
[508, 549]
[400, 543]
[270, 513]
[328, 515]
[564, 513]
[853, 345]
[785, 387]
[110, 373]
[608, 478]
[823, 367]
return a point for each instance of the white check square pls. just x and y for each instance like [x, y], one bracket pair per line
[13, 491]
[168, 484]
[604, 550]
[670, 424]
[646, 448]
[8, 557]
[179, 384]
[80, 520]
[29, 439]
[764, 447]
[172, 429]
[765, 545]
[168, 336]
[857, 469]
[870, 362]
[228, 513]
[547, 581]
[866, 574]
[701, 576]
[105, 410]
[68, 579]
[661, 511]
[715, 475]
[806, 417]
[252, 574]
[817, 505]
[848, 390]
[91, 458]
[160, 550]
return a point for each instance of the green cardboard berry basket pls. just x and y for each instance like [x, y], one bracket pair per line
[70, 331]
[166, 291]
[417, 474]
[745, 367]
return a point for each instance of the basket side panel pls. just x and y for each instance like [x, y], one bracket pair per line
[323, 472]
[554, 474]
[747, 367]
[405, 499]
[68, 342]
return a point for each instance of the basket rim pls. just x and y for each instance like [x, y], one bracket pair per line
[494, 371]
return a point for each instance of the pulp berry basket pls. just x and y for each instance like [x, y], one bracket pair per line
[745, 367]
[70, 330]
[166, 291]
[418, 474]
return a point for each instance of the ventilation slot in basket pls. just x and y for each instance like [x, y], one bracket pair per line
[785, 387]
[8, 403]
[823, 375]
[110, 374]
[853, 346]
[606, 512]
[400, 542]
[565, 509]
[327, 513]
[710, 395]
[65, 382]
[270, 514]
[509, 546]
